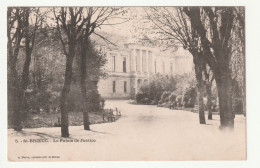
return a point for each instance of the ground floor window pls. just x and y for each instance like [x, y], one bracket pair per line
[125, 85]
[114, 86]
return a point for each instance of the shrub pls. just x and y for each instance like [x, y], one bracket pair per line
[164, 89]
[153, 102]
[237, 106]
[93, 101]
[140, 96]
[165, 96]
[172, 97]
[145, 100]
[179, 100]
[173, 104]
[160, 102]
[38, 101]
[189, 97]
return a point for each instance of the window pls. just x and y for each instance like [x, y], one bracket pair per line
[150, 63]
[138, 60]
[155, 67]
[125, 86]
[144, 61]
[114, 86]
[163, 67]
[124, 64]
[171, 67]
[113, 63]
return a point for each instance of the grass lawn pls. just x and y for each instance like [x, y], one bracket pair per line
[49, 119]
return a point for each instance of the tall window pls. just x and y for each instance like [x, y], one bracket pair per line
[114, 86]
[150, 63]
[125, 86]
[155, 71]
[138, 60]
[163, 67]
[144, 61]
[124, 64]
[113, 63]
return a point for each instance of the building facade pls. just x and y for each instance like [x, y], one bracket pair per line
[131, 66]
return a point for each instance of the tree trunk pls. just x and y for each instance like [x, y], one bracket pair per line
[86, 120]
[14, 93]
[209, 101]
[83, 75]
[224, 85]
[26, 67]
[84, 97]
[16, 108]
[64, 96]
[20, 87]
[219, 58]
[198, 73]
[201, 108]
[244, 102]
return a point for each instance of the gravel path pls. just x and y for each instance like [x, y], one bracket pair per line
[142, 133]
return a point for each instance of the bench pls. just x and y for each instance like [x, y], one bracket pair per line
[109, 115]
[111, 118]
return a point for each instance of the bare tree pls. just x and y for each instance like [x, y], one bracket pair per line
[96, 18]
[217, 51]
[77, 24]
[20, 26]
[30, 33]
[173, 28]
[68, 22]
[207, 32]
[15, 31]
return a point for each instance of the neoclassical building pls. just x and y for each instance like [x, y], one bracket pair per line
[132, 65]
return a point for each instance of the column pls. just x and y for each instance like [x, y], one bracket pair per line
[133, 60]
[147, 61]
[136, 89]
[138, 55]
[153, 66]
[141, 60]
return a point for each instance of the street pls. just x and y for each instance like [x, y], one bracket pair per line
[143, 133]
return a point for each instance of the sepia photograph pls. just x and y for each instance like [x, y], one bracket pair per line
[121, 83]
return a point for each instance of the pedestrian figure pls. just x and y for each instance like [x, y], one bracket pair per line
[118, 113]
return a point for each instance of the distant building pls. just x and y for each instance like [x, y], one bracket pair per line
[131, 65]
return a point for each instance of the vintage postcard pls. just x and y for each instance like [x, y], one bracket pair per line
[126, 83]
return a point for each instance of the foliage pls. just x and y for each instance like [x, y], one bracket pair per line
[94, 100]
[189, 97]
[46, 75]
[214, 36]
[237, 101]
[141, 97]
[165, 96]
[169, 91]
[96, 59]
[172, 97]
[154, 89]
